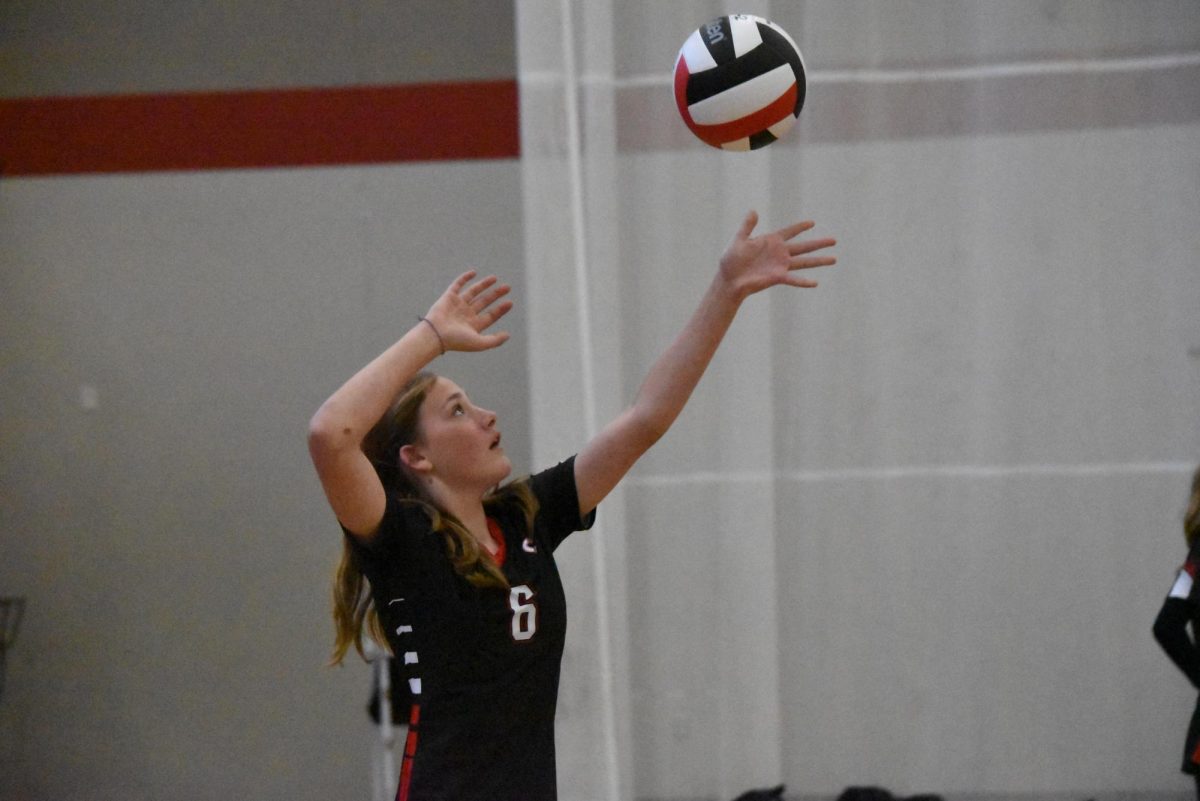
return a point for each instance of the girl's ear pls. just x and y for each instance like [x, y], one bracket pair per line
[412, 457]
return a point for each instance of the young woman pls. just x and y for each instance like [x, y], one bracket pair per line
[1181, 607]
[454, 572]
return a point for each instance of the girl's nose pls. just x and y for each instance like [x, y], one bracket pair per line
[489, 418]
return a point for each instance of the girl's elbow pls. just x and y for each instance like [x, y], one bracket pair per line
[325, 435]
[1171, 620]
[1163, 629]
[319, 430]
[1160, 631]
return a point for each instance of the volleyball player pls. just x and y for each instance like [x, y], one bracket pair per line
[452, 568]
[1181, 608]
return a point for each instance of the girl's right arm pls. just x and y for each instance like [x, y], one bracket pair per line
[336, 432]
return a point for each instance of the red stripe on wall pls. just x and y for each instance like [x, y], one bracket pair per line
[250, 129]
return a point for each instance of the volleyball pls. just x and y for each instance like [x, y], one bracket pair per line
[739, 82]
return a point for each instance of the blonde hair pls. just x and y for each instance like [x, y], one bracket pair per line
[1191, 518]
[353, 607]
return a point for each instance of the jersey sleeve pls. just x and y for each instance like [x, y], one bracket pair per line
[402, 522]
[1185, 581]
[1180, 607]
[558, 504]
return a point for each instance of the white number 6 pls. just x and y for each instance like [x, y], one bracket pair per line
[524, 620]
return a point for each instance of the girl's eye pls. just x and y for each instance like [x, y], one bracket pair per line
[458, 410]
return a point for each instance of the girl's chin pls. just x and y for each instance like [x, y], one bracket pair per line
[503, 468]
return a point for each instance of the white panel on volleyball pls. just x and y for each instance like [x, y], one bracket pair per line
[745, 98]
[696, 55]
[746, 36]
[783, 126]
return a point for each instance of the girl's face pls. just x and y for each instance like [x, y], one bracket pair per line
[461, 439]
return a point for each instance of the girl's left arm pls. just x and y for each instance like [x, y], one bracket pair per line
[749, 265]
[1170, 629]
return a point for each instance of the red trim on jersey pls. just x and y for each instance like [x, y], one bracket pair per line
[1196, 755]
[497, 533]
[410, 751]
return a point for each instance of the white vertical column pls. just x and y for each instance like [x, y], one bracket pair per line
[569, 229]
[747, 642]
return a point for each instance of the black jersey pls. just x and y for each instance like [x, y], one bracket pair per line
[1181, 608]
[482, 663]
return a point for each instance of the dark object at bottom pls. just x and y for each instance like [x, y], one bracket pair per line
[772, 794]
[880, 794]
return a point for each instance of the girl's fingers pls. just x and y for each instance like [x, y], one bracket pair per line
[798, 248]
[497, 312]
[461, 281]
[805, 264]
[795, 229]
[478, 287]
[488, 298]
[748, 225]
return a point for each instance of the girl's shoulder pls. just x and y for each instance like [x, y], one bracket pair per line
[405, 521]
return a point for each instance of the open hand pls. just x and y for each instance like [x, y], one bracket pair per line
[753, 263]
[463, 313]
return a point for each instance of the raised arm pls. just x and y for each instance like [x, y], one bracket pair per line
[750, 264]
[456, 321]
